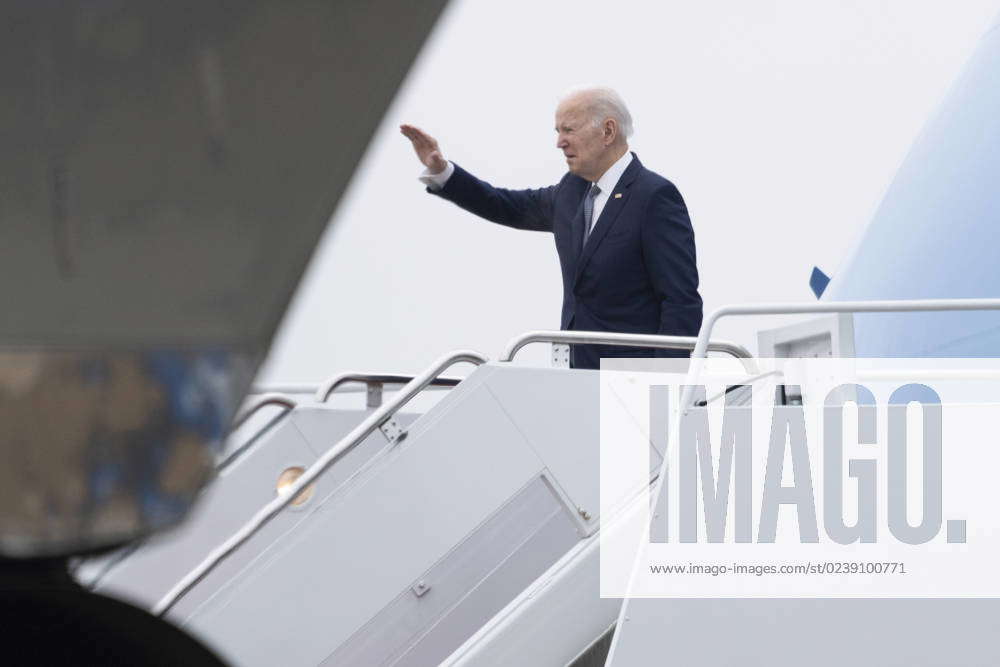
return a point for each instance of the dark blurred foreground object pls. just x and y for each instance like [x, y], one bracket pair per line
[47, 619]
[167, 170]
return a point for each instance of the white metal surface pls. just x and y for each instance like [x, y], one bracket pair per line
[405, 550]
[558, 414]
[633, 644]
[829, 336]
[550, 622]
[323, 578]
[246, 482]
[269, 511]
[468, 586]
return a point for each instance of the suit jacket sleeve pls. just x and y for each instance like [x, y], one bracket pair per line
[521, 209]
[669, 256]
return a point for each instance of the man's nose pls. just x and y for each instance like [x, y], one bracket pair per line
[561, 141]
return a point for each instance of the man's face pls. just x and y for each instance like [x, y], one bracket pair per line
[578, 139]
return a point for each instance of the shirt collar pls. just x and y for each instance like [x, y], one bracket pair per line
[611, 177]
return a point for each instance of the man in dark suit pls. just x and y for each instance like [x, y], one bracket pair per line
[625, 242]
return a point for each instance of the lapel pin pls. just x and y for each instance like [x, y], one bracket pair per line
[618, 195]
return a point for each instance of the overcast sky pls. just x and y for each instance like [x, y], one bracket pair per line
[781, 122]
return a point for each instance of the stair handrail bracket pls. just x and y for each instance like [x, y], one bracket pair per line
[345, 445]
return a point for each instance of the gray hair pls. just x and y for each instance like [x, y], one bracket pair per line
[603, 103]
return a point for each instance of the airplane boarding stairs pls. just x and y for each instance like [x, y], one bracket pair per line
[245, 481]
[468, 535]
[410, 543]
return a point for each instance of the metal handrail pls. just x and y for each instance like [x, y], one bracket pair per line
[885, 306]
[267, 399]
[698, 355]
[371, 380]
[244, 415]
[331, 385]
[345, 445]
[291, 388]
[742, 382]
[624, 339]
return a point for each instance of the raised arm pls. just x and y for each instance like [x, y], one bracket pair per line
[522, 209]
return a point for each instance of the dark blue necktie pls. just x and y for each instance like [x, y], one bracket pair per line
[588, 210]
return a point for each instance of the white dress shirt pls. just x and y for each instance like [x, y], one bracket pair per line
[606, 183]
[437, 181]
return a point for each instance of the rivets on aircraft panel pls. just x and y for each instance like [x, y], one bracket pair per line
[392, 431]
[420, 588]
[583, 513]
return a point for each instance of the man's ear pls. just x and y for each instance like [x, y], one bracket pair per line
[610, 130]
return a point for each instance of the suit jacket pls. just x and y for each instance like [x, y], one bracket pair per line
[637, 271]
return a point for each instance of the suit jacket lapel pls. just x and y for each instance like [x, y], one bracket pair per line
[608, 216]
[576, 229]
